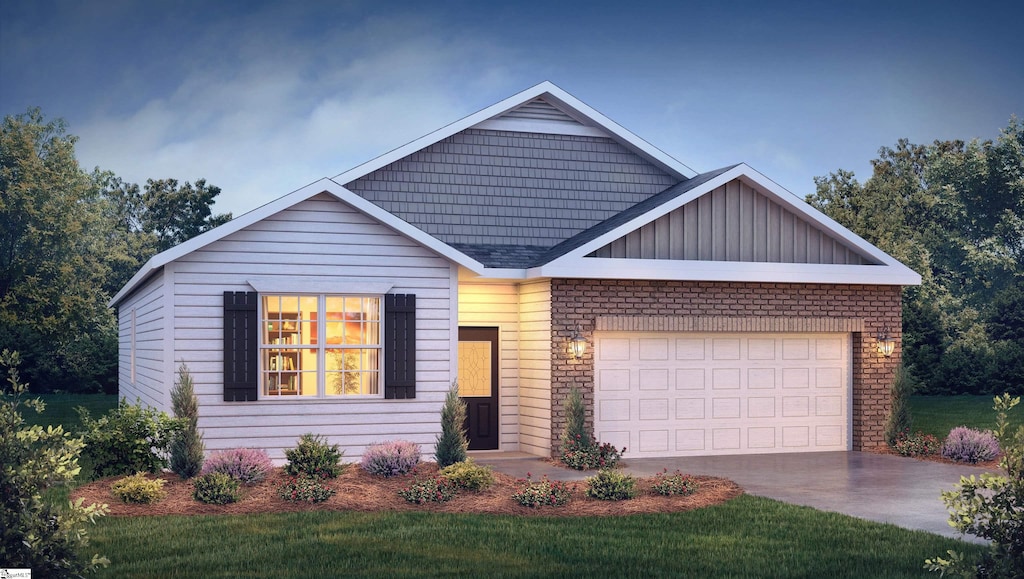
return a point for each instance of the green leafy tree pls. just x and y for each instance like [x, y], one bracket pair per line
[176, 213]
[990, 507]
[33, 533]
[452, 444]
[52, 259]
[187, 444]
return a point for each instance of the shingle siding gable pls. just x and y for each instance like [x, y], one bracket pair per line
[511, 188]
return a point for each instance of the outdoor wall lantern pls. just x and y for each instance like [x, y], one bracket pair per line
[886, 343]
[577, 344]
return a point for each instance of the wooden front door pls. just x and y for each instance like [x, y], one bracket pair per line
[478, 385]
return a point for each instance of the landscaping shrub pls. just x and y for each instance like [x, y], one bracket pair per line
[306, 489]
[676, 483]
[899, 419]
[314, 457]
[216, 488]
[35, 533]
[575, 432]
[990, 508]
[436, 489]
[968, 445]
[187, 443]
[469, 475]
[917, 444]
[579, 449]
[451, 444]
[391, 458]
[127, 439]
[611, 485]
[246, 465]
[543, 492]
[139, 489]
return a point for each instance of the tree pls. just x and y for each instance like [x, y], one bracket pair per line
[52, 258]
[187, 444]
[176, 213]
[451, 443]
[33, 533]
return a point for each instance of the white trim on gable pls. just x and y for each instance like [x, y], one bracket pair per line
[555, 96]
[574, 263]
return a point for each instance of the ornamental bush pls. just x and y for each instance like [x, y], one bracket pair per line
[676, 483]
[451, 444]
[306, 489]
[543, 492]
[469, 475]
[187, 444]
[968, 445]
[313, 457]
[127, 439]
[246, 465]
[916, 444]
[436, 489]
[391, 458]
[899, 419]
[216, 488]
[139, 489]
[611, 485]
[580, 457]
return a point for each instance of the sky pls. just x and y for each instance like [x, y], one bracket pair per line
[261, 98]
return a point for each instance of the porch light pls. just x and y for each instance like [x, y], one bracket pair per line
[577, 344]
[886, 343]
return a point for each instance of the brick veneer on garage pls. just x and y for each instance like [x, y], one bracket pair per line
[578, 303]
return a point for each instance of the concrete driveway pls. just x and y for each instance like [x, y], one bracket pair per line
[882, 488]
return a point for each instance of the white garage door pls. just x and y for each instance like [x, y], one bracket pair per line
[668, 394]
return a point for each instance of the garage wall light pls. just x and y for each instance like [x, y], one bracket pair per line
[886, 343]
[577, 344]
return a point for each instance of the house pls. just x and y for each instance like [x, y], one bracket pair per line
[526, 249]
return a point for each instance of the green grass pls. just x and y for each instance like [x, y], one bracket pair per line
[939, 414]
[60, 408]
[746, 537]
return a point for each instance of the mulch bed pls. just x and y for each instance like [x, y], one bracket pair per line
[886, 449]
[359, 491]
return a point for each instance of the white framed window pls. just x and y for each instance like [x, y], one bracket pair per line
[320, 346]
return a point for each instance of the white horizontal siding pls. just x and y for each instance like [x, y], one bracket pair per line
[319, 239]
[535, 368]
[497, 305]
[150, 335]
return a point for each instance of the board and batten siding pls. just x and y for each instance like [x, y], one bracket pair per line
[497, 305]
[318, 240]
[148, 386]
[734, 222]
[535, 368]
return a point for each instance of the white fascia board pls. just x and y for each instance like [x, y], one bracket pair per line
[584, 113]
[728, 271]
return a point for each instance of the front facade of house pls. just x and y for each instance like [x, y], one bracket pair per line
[720, 313]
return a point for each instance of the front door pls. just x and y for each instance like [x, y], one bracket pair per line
[478, 385]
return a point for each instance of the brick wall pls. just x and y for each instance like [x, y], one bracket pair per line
[864, 310]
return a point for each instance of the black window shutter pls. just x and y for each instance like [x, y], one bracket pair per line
[399, 346]
[241, 377]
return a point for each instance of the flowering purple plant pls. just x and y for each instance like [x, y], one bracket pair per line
[968, 445]
[391, 458]
[246, 465]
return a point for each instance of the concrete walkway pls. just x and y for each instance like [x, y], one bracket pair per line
[882, 488]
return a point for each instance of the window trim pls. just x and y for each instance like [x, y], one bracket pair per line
[321, 346]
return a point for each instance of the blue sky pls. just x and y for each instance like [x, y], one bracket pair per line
[261, 98]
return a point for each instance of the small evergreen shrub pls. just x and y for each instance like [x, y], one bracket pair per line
[246, 465]
[575, 432]
[469, 475]
[313, 457]
[899, 419]
[436, 489]
[187, 444]
[391, 458]
[306, 489]
[968, 445]
[127, 439]
[542, 493]
[139, 489]
[916, 444]
[451, 444]
[676, 483]
[216, 488]
[611, 485]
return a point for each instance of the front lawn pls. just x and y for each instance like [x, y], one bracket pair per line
[60, 408]
[745, 537]
[939, 414]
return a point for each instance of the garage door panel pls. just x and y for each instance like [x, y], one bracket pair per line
[696, 394]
